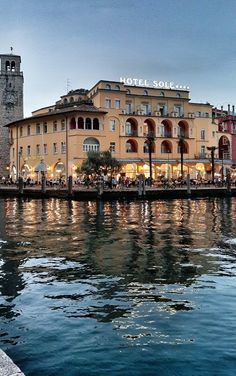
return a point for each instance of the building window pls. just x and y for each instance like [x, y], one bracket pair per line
[21, 131]
[112, 124]
[80, 123]
[63, 147]
[202, 134]
[21, 151]
[13, 153]
[112, 147]
[178, 95]
[145, 92]
[91, 144]
[63, 125]
[38, 130]
[45, 128]
[213, 133]
[117, 104]
[128, 108]
[37, 149]
[28, 130]
[88, 123]
[108, 87]
[54, 126]
[45, 149]
[28, 150]
[117, 87]
[96, 124]
[145, 108]
[54, 148]
[203, 150]
[108, 103]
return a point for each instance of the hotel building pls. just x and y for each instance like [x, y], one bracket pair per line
[119, 117]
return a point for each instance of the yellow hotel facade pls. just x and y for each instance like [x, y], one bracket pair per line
[118, 116]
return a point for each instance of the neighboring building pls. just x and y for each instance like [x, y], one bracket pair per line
[117, 117]
[226, 121]
[11, 103]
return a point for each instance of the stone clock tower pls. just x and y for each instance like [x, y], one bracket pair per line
[11, 103]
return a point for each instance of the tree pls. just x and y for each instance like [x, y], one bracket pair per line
[212, 149]
[100, 162]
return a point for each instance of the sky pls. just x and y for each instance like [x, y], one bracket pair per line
[70, 44]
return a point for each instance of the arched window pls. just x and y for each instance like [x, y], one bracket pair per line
[71, 99]
[80, 123]
[96, 124]
[8, 66]
[145, 92]
[59, 169]
[128, 91]
[72, 123]
[117, 87]
[178, 95]
[162, 94]
[65, 101]
[131, 146]
[13, 66]
[88, 123]
[108, 87]
[91, 144]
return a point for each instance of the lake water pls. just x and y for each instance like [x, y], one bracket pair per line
[119, 288]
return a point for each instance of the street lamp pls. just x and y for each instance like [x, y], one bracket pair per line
[181, 147]
[212, 149]
[149, 141]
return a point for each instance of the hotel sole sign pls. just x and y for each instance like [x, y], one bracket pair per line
[152, 84]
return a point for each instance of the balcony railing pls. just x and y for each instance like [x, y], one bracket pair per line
[131, 134]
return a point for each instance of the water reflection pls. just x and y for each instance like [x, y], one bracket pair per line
[127, 264]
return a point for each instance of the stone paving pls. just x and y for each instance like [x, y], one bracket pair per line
[7, 367]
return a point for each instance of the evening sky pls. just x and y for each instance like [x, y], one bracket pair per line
[70, 44]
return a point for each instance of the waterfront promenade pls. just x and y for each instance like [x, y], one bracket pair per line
[81, 193]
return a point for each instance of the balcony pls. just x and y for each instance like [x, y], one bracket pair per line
[131, 134]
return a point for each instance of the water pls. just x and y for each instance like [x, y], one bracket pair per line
[142, 288]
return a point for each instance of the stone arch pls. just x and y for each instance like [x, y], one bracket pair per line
[131, 127]
[59, 169]
[13, 66]
[131, 146]
[8, 67]
[183, 128]
[185, 147]
[166, 147]
[224, 147]
[150, 127]
[166, 128]
[146, 147]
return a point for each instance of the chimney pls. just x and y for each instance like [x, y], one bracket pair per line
[228, 109]
[233, 110]
[221, 111]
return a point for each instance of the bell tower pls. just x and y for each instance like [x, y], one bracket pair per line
[11, 103]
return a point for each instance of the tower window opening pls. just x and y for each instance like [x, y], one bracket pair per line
[13, 66]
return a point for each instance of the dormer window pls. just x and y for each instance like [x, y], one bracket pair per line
[162, 94]
[178, 95]
[145, 92]
[108, 86]
[117, 87]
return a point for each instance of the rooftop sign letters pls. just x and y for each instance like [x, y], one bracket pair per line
[152, 84]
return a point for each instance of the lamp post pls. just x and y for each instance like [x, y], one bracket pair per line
[20, 155]
[150, 140]
[181, 146]
[212, 149]
[168, 165]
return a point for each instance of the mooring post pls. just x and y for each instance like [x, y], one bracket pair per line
[188, 185]
[20, 185]
[70, 185]
[43, 183]
[100, 186]
[228, 182]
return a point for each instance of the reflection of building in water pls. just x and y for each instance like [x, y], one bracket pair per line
[121, 118]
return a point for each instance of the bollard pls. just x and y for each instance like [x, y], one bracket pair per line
[21, 185]
[228, 182]
[188, 184]
[141, 185]
[100, 186]
[43, 181]
[70, 185]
